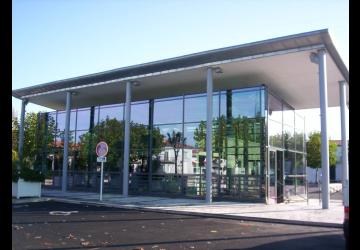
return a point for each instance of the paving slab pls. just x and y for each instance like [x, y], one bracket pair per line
[300, 212]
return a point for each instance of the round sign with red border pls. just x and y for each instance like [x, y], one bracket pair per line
[102, 149]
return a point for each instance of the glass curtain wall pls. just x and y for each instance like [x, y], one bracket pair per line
[168, 148]
[286, 136]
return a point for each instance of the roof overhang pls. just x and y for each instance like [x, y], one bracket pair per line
[283, 64]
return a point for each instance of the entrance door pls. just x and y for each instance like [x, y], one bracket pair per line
[275, 177]
[279, 177]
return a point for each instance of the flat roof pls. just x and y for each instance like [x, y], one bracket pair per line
[283, 64]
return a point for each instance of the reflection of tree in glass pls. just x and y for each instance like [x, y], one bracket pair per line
[176, 141]
[112, 132]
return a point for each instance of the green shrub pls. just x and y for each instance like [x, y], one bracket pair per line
[15, 173]
[26, 173]
[31, 175]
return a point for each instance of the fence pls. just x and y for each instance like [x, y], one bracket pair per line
[235, 187]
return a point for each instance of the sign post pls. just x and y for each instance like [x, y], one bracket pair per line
[101, 151]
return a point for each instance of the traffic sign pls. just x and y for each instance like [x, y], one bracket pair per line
[102, 149]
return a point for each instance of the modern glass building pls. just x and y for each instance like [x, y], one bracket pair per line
[233, 107]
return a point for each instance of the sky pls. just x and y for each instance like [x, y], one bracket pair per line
[58, 39]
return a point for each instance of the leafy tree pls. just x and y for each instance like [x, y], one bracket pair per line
[313, 148]
[15, 133]
[38, 133]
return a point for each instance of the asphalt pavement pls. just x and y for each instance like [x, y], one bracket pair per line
[58, 225]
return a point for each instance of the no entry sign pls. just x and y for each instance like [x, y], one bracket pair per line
[102, 149]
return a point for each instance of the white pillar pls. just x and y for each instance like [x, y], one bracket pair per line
[209, 114]
[324, 135]
[66, 142]
[21, 131]
[344, 145]
[127, 139]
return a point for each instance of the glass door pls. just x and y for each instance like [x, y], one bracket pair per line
[272, 177]
[275, 177]
[279, 177]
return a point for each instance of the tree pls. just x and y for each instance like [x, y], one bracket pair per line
[313, 148]
[176, 141]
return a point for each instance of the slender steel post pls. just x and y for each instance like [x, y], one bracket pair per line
[127, 139]
[344, 145]
[101, 180]
[150, 145]
[209, 114]
[66, 142]
[324, 132]
[21, 131]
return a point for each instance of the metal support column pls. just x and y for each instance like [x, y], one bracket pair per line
[324, 133]
[127, 139]
[66, 143]
[209, 115]
[150, 145]
[21, 132]
[344, 145]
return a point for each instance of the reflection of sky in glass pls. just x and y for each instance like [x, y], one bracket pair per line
[288, 115]
[275, 130]
[80, 133]
[168, 111]
[189, 133]
[195, 108]
[140, 113]
[83, 119]
[164, 129]
[246, 103]
[114, 112]
[61, 120]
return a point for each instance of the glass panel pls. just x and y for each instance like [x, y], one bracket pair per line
[288, 115]
[299, 133]
[166, 157]
[195, 136]
[195, 109]
[112, 132]
[275, 109]
[169, 111]
[275, 134]
[83, 119]
[140, 113]
[246, 103]
[61, 120]
[111, 112]
[289, 139]
[290, 171]
[272, 175]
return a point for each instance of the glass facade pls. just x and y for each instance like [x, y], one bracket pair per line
[168, 145]
[286, 141]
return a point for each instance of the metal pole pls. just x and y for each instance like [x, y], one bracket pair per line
[150, 146]
[209, 91]
[127, 139]
[324, 135]
[21, 132]
[101, 180]
[344, 145]
[66, 142]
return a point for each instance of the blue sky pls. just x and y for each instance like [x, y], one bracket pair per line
[58, 39]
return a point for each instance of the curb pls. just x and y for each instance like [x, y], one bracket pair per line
[206, 215]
